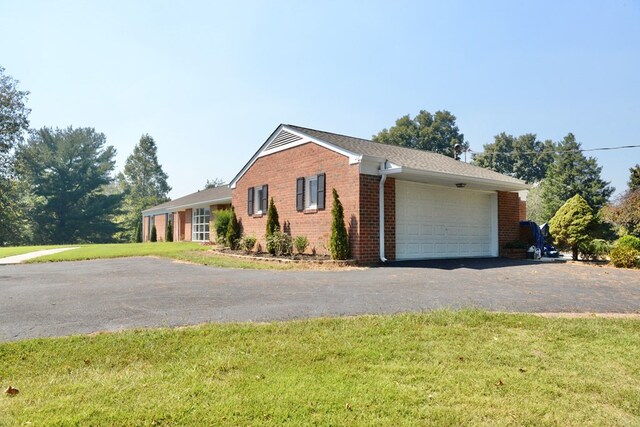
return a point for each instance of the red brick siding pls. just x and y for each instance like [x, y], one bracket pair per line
[522, 210]
[390, 219]
[188, 217]
[280, 171]
[161, 222]
[368, 245]
[508, 219]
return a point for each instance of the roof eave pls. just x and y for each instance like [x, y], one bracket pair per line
[218, 201]
[498, 185]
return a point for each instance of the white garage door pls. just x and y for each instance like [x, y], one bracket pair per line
[442, 222]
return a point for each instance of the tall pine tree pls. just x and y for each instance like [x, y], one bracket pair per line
[572, 173]
[68, 170]
[143, 183]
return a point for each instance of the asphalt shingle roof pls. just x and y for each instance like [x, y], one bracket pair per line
[202, 196]
[406, 157]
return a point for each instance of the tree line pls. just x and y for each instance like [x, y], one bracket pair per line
[58, 186]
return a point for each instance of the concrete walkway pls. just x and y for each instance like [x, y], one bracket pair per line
[17, 259]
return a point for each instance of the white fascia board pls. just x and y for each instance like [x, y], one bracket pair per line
[499, 185]
[206, 203]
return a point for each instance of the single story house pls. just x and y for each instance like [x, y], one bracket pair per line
[399, 203]
[190, 215]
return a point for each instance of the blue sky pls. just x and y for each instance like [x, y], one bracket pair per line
[211, 80]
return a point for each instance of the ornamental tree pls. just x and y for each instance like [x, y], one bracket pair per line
[273, 225]
[339, 240]
[570, 225]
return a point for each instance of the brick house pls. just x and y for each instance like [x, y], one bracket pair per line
[399, 203]
[190, 215]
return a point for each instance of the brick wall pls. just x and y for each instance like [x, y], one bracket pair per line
[188, 217]
[508, 219]
[523, 210]
[367, 249]
[280, 171]
[161, 222]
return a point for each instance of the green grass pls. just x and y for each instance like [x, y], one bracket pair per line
[182, 251]
[443, 368]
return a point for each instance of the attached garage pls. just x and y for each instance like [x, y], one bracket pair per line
[444, 222]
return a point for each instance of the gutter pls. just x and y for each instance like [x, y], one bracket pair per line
[384, 171]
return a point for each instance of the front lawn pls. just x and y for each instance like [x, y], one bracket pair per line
[442, 368]
[182, 251]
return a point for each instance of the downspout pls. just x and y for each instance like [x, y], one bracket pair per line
[383, 178]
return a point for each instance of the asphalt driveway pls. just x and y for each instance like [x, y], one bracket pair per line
[41, 300]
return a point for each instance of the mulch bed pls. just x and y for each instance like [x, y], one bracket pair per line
[297, 258]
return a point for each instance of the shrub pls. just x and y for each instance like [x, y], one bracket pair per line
[629, 241]
[139, 232]
[233, 231]
[624, 256]
[300, 244]
[570, 225]
[273, 225]
[221, 220]
[594, 249]
[154, 234]
[280, 242]
[169, 234]
[339, 240]
[247, 243]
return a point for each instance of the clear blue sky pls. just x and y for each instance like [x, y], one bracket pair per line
[211, 80]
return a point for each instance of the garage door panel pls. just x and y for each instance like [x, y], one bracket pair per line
[437, 222]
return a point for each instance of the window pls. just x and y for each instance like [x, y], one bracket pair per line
[310, 192]
[257, 200]
[200, 225]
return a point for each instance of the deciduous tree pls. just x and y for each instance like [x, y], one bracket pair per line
[434, 132]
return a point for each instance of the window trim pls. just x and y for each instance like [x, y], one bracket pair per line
[205, 233]
[309, 194]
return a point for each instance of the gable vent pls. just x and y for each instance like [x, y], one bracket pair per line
[283, 138]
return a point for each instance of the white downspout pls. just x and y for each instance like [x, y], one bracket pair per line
[383, 178]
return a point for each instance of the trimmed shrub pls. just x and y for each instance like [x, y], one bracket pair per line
[594, 249]
[571, 224]
[339, 240]
[624, 256]
[139, 232]
[300, 244]
[169, 234]
[280, 242]
[221, 220]
[154, 234]
[247, 243]
[273, 225]
[629, 241]
[233, 231]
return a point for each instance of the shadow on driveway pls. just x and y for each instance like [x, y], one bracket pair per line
[470, 263]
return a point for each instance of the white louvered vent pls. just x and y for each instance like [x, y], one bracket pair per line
[283, 138]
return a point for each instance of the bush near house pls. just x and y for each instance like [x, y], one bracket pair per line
[221, 221]
[300, 243]
[247, 243]
[280, 243]
[629, 241]
[233, 231]
[624, 257]
[139, 232]
[339, 240]
[169, 233]
[154, 234]
[594, 250]
[273, 225]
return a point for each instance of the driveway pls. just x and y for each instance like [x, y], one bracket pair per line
[40, 300]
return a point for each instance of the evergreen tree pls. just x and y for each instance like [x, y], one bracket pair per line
[634, 178]
[139, 232]
[433, 132]
[339, 240]
[571, 224]
[154, 234]
[143, 183]
[67, 170]
[273, 224]
[169, 232]
[233, 231]
[572, 173]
